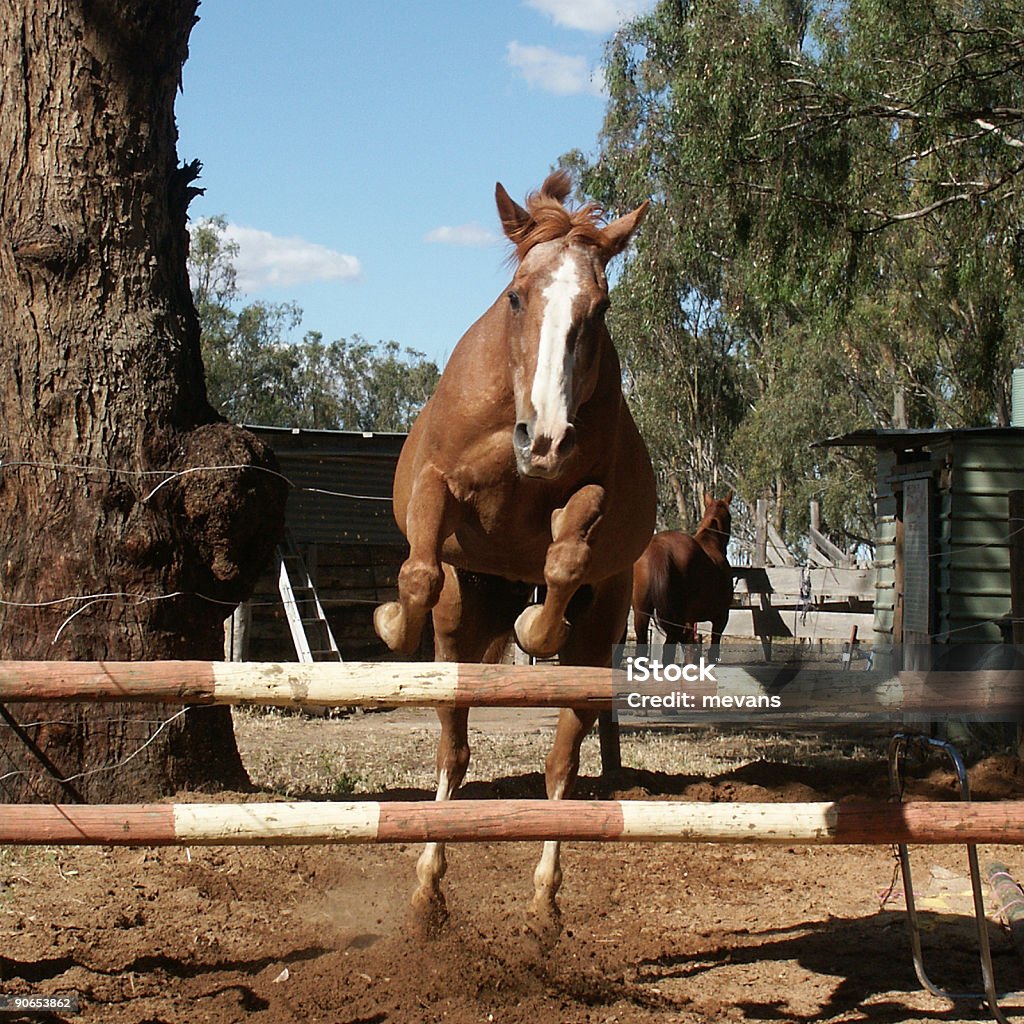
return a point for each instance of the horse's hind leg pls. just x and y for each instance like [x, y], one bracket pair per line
[643, 609]
[541, 630]
[428, 522]
[467, 627]
[717, 629]
[560, 773]
[590, 643]
[452, 762]
[642, 615]
[641, 627]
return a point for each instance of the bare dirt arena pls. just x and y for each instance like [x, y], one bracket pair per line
[652, 933]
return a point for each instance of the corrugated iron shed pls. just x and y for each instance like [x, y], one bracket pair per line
[342, 482]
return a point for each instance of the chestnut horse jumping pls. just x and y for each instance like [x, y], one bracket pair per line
[682, 579]
[525, 468]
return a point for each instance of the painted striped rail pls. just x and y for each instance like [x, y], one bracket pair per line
[268, 824]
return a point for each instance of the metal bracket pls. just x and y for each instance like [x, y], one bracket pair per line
[897, 748]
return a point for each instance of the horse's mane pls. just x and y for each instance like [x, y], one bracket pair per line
[549, 218]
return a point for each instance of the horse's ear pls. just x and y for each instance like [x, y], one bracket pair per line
[615, 237]
[708, 500]
[728, 498]
[514, 219]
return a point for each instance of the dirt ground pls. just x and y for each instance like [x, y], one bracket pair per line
[652, 933]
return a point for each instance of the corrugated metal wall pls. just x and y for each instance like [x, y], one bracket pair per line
[342, 484]
[339, 514]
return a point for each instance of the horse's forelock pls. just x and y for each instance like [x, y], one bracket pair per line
[549, 218]
[557, 185]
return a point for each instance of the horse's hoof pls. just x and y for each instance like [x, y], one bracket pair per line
[388, 621]
[527, 634]
[544, 923]
[429, 913]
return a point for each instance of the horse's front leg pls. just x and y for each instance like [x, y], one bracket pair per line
[428, 522]
[542, 629]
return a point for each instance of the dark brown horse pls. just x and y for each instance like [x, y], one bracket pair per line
[525, 468]
[682, 579]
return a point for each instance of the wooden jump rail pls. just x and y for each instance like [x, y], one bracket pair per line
[389, 684]
[804, 691]
[439, 684]
[293, 684]
[267, 824]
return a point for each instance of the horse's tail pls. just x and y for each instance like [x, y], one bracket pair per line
[657, 599]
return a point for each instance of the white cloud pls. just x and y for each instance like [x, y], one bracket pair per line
[473, 235]
[600, 16]
[266, 260]
[559, 73]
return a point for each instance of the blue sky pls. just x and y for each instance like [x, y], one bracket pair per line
[354, 145]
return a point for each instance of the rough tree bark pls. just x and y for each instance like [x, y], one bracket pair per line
[102, 398]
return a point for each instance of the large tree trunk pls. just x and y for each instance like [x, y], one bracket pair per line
[102, 398]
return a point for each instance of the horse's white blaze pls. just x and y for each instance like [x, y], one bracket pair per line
[551, 392]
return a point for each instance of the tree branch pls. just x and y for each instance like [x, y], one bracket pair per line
[994, 129]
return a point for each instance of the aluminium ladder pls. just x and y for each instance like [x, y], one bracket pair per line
[311, 633]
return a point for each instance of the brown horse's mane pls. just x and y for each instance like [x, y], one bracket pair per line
[549, 218]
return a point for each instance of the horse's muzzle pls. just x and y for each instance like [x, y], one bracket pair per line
[540, 455]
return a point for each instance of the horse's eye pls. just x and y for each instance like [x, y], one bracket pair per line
[514, 301]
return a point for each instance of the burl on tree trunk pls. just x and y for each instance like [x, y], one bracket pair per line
[102, 399]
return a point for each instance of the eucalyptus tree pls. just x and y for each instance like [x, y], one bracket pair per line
[134, 518]
[257, 374]
[836, 221]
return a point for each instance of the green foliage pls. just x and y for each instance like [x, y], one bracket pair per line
[255, 375]
[836, 218]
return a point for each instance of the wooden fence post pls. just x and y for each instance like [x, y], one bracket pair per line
[759, 561]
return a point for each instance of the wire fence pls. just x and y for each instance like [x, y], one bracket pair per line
[86, 601]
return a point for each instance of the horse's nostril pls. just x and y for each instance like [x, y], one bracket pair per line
[567, 443]
[521, 435]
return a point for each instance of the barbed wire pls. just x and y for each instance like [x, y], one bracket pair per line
[102, 768]
[140, 599]
[95, 599]
[92, 600]
[270, 603]
[172, 475]
[112, 720]
[39, 773]
[134, 600]
[961, 548]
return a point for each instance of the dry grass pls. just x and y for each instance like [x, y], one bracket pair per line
[295, 756]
